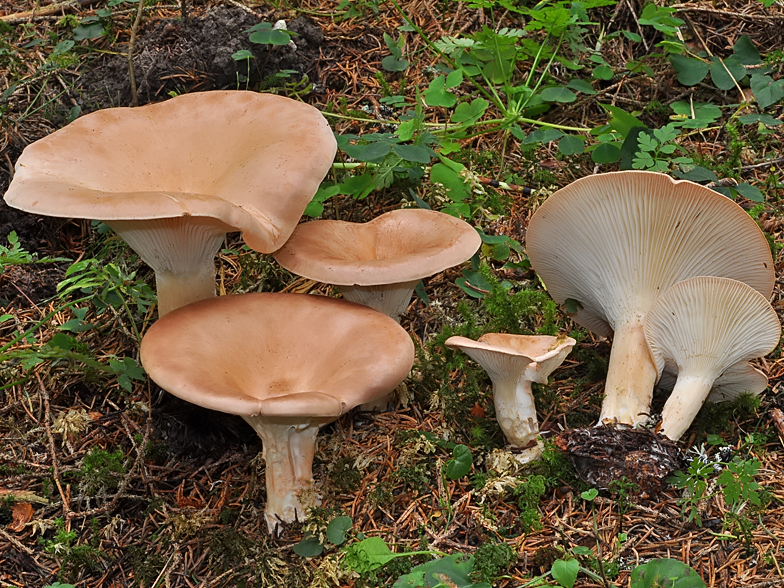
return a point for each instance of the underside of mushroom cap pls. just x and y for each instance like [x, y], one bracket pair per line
[252, 161]
[740, 378]
[710, 324]
[281, 355]
[614, 242]
[547, 352]
[398, 246]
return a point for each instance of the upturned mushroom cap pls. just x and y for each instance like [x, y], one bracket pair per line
[513, 362]
[705, 326]
[251, 161]
[287, 355]
[288, 364]
[173, 178]
[615, 242]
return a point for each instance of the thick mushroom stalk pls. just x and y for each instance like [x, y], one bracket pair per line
[172, 188]
[615, 242]
[707, 326]
[286, 363]
[513, 362]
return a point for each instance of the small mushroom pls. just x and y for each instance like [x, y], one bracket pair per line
[173, 178]
[380, 262]
[513, 362]
[706, 326]
[613, 243]
[286, 363]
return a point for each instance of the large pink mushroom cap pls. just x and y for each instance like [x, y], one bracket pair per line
[172, 178]
[286, 363]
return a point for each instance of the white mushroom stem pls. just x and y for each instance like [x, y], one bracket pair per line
[631, 376]
[685, 402]
[288, 450]
[391, 299]
[181, 251]
[515, 409]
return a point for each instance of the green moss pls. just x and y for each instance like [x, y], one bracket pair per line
[344, 476]
[490, 560]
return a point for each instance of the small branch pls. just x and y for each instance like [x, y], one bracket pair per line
[131, 43]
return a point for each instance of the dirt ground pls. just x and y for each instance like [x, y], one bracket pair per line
[181, 491]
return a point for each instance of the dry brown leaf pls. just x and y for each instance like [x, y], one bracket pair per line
[21, 515]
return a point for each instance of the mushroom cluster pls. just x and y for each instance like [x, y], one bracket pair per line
[613, 243]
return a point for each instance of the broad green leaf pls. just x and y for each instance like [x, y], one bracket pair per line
[695, 113]
[571, 145]
[358, 187]
[460, 464]
[603, 72]
[558, 94]
[456, 188]
[453, 571]
[690, 71]
[766, 90]
[697, 174]
[308, 547]
[765, 119]
[665, 573]
[543, 136]
[725, 76]
[437, 95]
[746, 52]
[88, 31]
[750, 192]
[336, 529]
[634, 37]
[469, 112]
[415, 153]
[474, 284]
[565, 572]
[579, 85]
[454, 79]
[241, 55]
[606, 153]
[369, 152]
[392, 64]
[264, 34]
[620, 120]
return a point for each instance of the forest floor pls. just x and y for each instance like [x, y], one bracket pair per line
[105, 480]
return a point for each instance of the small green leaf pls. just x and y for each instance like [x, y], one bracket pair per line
[750, 192]
[589, 495]
[765, 119]
[415, 153]
[697, 174]
[571, 145]
[766, 90]
[336, 529]
[690, 71]
[558, 94]
[543, 136]
[727, 75]
[455, 186]
[264, 34]
[358, 186]
[620, 120]
[437, 95]
[565, 572]
[369, 152]
[572, 306]
[308, 547]
[746, 52]
[454, 79]
[469, 112]
[392, 64]
[665, 573]
[603, 72]
[460, 464]
[606, 153]
[241, 55]
[583, 86]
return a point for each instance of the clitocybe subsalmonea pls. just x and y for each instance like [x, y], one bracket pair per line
[705, 326]
[613, 243]
[173, 178]
[286, 363]
[513, 362]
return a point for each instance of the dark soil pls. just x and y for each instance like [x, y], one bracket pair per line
[179, 56]
[26, 285]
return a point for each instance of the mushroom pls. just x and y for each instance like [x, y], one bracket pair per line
[612, 243]
[173, 178]
[741, 378]
[513, 362]
[705, 326]
[379, 263]
[286, 363]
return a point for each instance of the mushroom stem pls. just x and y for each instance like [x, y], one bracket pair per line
[391, 299]
[684, 403]
[288, 450]
[516, 413]
[181, 251]
[631, 376]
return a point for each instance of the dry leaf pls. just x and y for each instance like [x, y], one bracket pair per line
[22, 514]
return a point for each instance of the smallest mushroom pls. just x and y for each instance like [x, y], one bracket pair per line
[707, 326]
[513, 362]
[379, 263]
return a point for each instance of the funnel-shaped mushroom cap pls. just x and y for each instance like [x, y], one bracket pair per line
[251, 161]
[286, 355]
[705, 326]
[615, 242]
[513, 362]
[398, 246]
